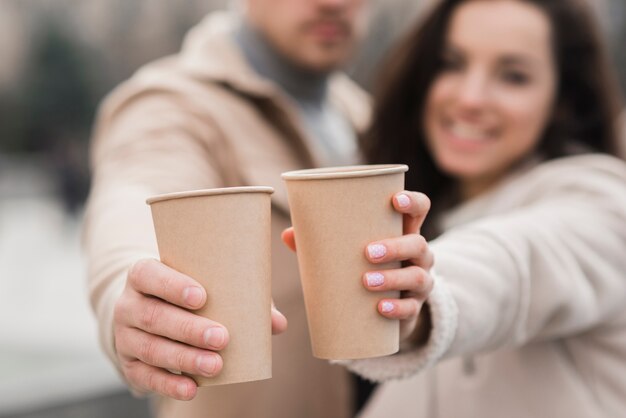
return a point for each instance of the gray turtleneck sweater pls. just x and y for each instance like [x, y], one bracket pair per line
[329, 135]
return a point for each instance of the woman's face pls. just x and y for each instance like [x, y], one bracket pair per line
[488, 106]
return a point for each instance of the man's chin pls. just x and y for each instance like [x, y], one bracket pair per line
[323, 62]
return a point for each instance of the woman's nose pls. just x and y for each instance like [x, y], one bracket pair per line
[472, 92]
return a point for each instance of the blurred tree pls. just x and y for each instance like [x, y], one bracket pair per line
[56, 97]
[53, 111]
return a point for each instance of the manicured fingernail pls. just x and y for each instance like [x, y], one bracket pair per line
[376, 251]
[374, 279]
[206, 364]
[192, 295]
[214, 337]
[182, 390]
[387, 307]
[403, 200]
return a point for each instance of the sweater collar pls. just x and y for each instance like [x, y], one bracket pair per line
[210, 52]
[300, 84]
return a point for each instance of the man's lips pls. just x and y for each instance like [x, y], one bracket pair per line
[328, 30]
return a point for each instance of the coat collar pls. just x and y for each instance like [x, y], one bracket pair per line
[210, 53]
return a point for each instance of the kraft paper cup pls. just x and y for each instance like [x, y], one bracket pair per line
[336, 213]
[221, 238]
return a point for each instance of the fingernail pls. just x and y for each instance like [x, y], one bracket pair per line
[206, 364]
[376, 251]
[387, 307]
[374, 279]
[182, 390]
[192, 295]
[403, 200]
[214, 337]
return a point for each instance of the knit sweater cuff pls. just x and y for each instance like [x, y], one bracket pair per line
[444, 313]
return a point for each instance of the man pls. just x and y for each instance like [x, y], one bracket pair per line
[244, 101]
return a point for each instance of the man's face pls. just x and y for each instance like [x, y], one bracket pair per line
[317, 35]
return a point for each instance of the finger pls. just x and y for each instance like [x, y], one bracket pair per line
[154, 278]
[412, 247]
[404, 309]
[279, 321]
[161, 318]
[415, 207]
[289, 238]
[146, 378]
[167, 354]
[409, 279]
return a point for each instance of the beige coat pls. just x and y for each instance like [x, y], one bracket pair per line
[203, 119]
[529, 306]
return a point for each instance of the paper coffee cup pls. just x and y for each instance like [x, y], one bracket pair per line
[336, 213]
[221, 238]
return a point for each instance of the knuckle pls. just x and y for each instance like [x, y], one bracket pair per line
[428, 283]
[431, 260]
[413, 308]
[187, 329]
[422, 244]
[419, 246]
[168, 387]
[417, 276]
[152, 382]
[180, 361]
[138, 270]
[167, 282]
[424, 202]
[120, 309]
[413, 270]
[422, 279]
[150, 314]
[120, 339]
[147, 351]
[131, 372]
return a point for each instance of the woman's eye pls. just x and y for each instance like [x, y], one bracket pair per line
[517, 78]
[451, 64]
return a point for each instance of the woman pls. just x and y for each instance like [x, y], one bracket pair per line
[507, 114]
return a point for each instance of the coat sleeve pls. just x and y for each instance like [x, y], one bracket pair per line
[549, 270]
[145, 143]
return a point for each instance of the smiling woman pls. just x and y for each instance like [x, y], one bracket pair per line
[509, 121]
[492, 98]
[479, 86]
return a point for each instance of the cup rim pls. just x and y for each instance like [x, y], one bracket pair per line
[349, 171]
[209, 192]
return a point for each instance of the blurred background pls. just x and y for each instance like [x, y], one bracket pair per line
[57, 61]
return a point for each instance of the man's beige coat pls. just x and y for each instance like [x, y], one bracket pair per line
[203, 119]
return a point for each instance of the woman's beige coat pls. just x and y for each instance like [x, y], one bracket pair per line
[203, 119]
[529, 305]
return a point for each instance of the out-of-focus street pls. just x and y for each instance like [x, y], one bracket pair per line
[48, 346]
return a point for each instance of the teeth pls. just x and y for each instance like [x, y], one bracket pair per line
[467, 132]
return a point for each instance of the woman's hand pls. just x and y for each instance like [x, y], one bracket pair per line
[414, 280]
[156, 332]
